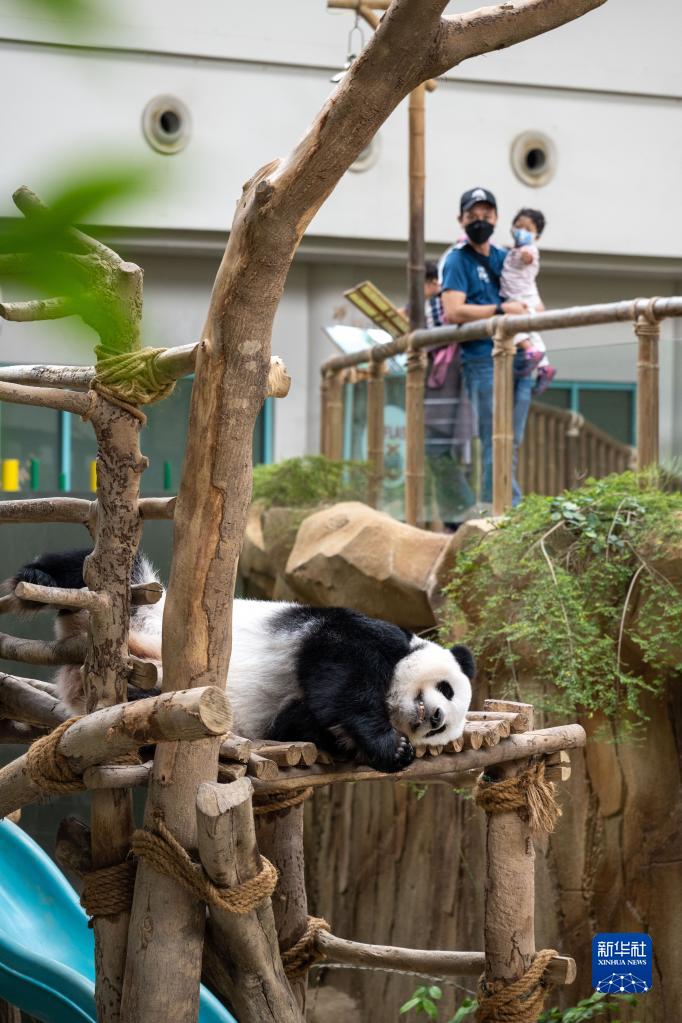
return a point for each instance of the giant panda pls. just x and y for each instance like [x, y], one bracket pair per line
[351, 684]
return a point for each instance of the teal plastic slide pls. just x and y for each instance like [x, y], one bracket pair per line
[46, 948]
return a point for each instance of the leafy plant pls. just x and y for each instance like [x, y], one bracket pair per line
[308, 481]
[556, 588]
[597, 1006]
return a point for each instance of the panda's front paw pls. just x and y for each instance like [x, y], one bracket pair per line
[396, 753]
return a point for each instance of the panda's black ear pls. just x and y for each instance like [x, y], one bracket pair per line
[465, 659]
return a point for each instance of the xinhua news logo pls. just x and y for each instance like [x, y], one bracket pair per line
[622, 963]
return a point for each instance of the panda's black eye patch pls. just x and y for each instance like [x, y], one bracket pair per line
[446, 689]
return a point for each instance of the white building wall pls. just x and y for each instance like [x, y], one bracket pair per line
[605, 89]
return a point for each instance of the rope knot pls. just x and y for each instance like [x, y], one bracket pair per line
[164, 854]
[133, 377]
[528, 792]
[303, 954]
[519, 1002]
[49, 769]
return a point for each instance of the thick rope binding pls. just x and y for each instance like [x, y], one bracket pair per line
[109, 890]
[133, 377]
[49, 769]
[282, 802]
[521, 1001]
[165, 854]
[528, 792]
[303, 954]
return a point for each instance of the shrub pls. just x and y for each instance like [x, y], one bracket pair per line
[557, 587]
[309, 481]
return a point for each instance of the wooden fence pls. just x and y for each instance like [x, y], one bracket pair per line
[586, 450]
[560, 449]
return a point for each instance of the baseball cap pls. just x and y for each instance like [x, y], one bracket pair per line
[475, 195]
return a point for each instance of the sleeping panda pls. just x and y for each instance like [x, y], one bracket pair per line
[349, 683]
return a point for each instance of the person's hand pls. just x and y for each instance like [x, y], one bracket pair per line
[515, 308]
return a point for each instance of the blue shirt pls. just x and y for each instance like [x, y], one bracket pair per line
[479, 278]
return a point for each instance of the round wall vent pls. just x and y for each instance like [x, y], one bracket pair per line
[166, 124]
[533, 158]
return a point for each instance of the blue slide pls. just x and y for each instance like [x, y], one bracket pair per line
[46, 948]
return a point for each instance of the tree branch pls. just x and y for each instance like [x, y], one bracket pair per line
[495, 28]
[37, 309]
[47, 397]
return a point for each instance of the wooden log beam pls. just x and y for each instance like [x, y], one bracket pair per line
[58, 596]
[45, 397]
[516, 747]
[235, 747]
[117, 776]
[37, 651]
[106, 734]
[22, 701]
[435, 964]
[76, 509]
[255, 985]
[523, 713]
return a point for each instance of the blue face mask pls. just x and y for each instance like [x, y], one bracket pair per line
[522, 236]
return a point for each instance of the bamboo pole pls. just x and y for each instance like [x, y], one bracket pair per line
[255, 985]
[555, 319]
[324, 414]
[647, 330]
[503, 417]
[414, 438]
[104, 735]
[417, 175]
[375, 431]
[335, 416]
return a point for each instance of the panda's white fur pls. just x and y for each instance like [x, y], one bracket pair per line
[329, 675]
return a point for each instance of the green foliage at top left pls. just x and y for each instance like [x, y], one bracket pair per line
[67, 272]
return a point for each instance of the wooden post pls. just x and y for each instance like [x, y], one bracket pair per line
[375, 431]
[509, 901]
[415, 258]
[324, 413]
[254, 985]
[335, 416]
[414, 437]
[503, 418]
[648, 330]
[414, 389]
[280, 838]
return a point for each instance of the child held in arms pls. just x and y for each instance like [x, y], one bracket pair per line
[518, 281]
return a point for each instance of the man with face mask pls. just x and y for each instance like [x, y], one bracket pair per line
[471, 291]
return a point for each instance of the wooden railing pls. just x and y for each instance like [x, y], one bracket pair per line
[561, 449]
[592, 447]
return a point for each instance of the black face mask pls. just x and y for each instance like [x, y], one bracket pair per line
[479, 231]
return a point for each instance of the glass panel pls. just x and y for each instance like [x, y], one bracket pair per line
[164, 438]
[609, 409]
[557, 397]
[31, 435]
[83, 454]
[393, 500]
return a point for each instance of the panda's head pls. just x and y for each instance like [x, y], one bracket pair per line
[430, 692]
